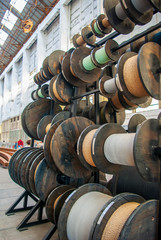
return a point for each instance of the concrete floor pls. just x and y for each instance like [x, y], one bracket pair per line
[9, 192]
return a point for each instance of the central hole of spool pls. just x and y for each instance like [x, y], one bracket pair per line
[62, 179]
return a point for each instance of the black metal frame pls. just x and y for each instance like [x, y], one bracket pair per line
[25, 224]
[40, 204]
[24, 196]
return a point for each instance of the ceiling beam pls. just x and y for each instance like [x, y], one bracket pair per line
[11, 8]
[6, 30]
[43, 3]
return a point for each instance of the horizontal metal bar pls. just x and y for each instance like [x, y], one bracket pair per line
[136, 37]
[85, 94]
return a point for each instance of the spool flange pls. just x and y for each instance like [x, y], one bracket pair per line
[98, 141]
[76, 65]
[146, 140]
[63, 147]
[54, 61]
[67, 73]
[72, 198]
[126, 26]
[134, 121]
[136, 16]
[80, 145]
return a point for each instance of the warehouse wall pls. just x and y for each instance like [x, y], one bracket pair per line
[55, 32]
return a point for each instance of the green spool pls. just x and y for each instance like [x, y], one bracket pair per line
[96, 29]
[88, 64]
[40, 94]
[101, 56]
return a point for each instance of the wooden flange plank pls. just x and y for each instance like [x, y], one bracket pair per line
[34, 113]
[134, 122]
[31, 178]
[47, 142]
[45, 180]
[72, 198]
[63, 147]
[108, 209]
[54, 60]
[41, 127]
[126, 26]
[146, 140]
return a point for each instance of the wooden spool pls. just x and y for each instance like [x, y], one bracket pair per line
[12, 162]
[75, 81]
[102, 24]
[122, 26]
[33, 113]
[51, 92]
[76, 57]
[59, 204]
[148, 80]
[54, 60]
[72, 198]
[112, 55]
[85, 112]
[140, 18]
[93, 24]
[26, 182]
[126, 92]
[112, 116]
[47, 142]
[109, 210]
[63, 90]
[79, 40]
[22, 168]
[80, 147]
[64, 151]
[134, 122]
[102, 81]
[19, 158]
[61, 116]
[55, 95]
[146, 215]
[45, 90]
[34, 95]
[129, 180]
[156, 4]
[139, 149]
[98, 141]
[23, 123]
[41, 127]
[31, 177]
[45, 68]
[146, 161]
[45, 180]
[52, 197]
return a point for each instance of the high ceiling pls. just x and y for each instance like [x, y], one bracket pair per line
[34, 10]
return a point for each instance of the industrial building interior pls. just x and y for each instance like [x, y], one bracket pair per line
[80, 119]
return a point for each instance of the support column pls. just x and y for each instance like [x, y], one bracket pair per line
[41, 48]
[64, 27]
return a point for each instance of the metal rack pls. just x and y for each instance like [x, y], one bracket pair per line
[39, 204]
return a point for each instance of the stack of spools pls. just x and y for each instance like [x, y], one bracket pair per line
[75, 148]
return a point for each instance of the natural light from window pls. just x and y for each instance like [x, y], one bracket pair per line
[19, 4]
[9, 19]
[3, 36]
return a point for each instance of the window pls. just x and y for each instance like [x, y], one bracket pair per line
[33, 57]
[52, 37]
[19, 4]
[9, 79]
[9, 19]
[19, 70]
